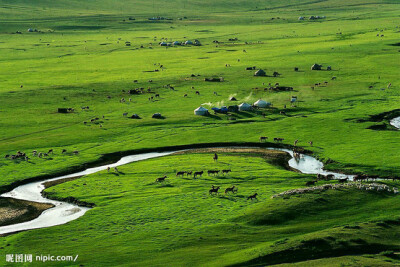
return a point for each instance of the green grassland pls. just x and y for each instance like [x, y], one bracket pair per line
[80, 59]
[139, 222]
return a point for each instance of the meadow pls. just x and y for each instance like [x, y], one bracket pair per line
[79, 58]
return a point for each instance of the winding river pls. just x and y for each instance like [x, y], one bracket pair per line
[395, 122]
[64, 212]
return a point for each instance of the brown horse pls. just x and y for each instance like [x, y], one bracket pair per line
[254, 196]
[198, 174]
[215, 158]
[232, 189]
[161, 179]
[214, 190]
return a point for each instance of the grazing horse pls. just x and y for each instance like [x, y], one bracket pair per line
[254, 196]
[215, 158]
[214, 190]
[180, 173]
[225, 171]
[232, 189]
[263, 139]
[198, 174]
[310, 183]
[161, 179]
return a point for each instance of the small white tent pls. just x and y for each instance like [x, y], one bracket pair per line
[201, 111]
[262, 103]
[244, 107]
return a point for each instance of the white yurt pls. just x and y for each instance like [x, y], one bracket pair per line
[244, 107]
[262, 103]
[201, 111]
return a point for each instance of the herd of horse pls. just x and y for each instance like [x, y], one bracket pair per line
[24, 156]
[214, 189]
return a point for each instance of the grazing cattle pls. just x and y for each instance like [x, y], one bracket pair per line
[161, 179]
[215, 158]
[254, 196]
[63, 151]
[214, 190]
[310, 183]
[108, 169]
[7, 156]
[85, 122]
[180, 173]
[76, 152]
[189, 173]
[263, 139]
[157, 95]
[50, 151]
[27, 158]
[282, 113]
[344, 180]
[197, 93]
[198, 174]
[116, 169]
[278, 139]
[232, 189]
[125, 114]
[296, 141]
[311, 143]
[333, 78]
[225, 171]
[185, 95]
[214, 172]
